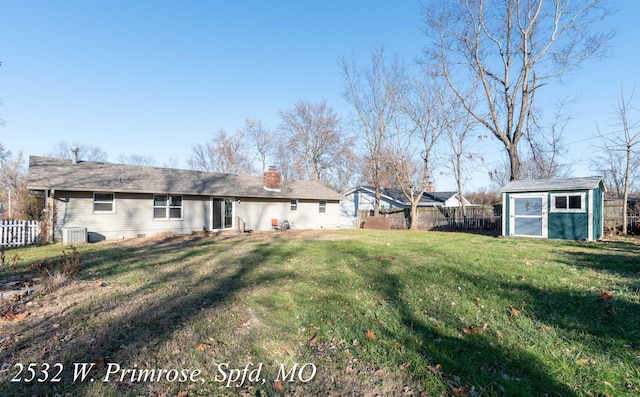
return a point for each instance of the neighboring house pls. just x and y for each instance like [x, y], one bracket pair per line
[569, 209]
[116, 201]
[363, 198]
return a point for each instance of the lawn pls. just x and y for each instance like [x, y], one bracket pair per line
[357, 313]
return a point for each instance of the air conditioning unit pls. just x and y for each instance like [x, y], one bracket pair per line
[74, 235]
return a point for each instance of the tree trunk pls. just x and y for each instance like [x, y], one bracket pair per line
[514, 161]
[376, 201]
[625, 199]
[414, 214]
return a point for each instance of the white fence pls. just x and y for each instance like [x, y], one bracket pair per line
[18, 233]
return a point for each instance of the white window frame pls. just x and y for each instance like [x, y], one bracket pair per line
[168, 207]
[513, 216]
[322, 209]
[580, 210]
[294, 205]
[112, 202]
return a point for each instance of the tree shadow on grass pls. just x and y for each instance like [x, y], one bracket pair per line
[617, 257]
[168, 288]
[475, 360]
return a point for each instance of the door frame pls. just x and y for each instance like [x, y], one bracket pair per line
[213, 200]
[544, 215]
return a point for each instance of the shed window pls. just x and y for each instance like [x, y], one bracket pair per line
[103, 202]
[167, 207]
[294, 205]
[323, 206]
[567, 202]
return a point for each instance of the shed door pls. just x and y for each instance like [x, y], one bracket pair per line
[528, 215]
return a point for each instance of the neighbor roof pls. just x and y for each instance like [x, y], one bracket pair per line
[427, 199]
[539, 185]
[52, 173]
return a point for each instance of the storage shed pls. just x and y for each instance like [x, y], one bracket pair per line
[568, 209]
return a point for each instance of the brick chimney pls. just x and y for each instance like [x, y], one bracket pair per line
[272, 180]
[431, 188]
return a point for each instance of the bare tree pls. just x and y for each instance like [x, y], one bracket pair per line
[375, 94]
[624, 144]
[137, 159]
[85, 152]
[612, 167]
[410, 154]
[459, 124]
[222, 153]
[12, 181]
[261, 140]
[512, 48]
[344, 168]
[314, 138]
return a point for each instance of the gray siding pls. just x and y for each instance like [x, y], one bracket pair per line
[258, 213]
[132, 216]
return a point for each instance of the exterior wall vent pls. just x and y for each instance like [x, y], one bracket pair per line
[74, 235]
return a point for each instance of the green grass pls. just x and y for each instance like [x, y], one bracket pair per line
[377, 313]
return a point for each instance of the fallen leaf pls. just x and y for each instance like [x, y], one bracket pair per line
[288, 307]
[405, 365]
[371, 335]
[313, 340]
[471, 330]
[437, 370]
[544, 328]
[99, 365]
[21, 316]
[201, 347]
[461, 391]
[515, 312]
[605, 296]
[278, 385]
[183, 394]
[349, 369]
[379, 372]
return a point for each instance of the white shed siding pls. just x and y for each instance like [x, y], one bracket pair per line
[258, 213]
[132, 216]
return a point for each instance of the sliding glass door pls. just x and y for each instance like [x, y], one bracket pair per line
[222, 213]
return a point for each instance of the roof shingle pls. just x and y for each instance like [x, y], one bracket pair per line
[53, 173]
[539, 185]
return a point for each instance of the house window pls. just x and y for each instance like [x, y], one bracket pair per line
[567, 202]
[294, 205]
[323, 206]
[167, 207]
[103, 202]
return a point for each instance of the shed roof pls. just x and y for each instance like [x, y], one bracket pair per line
[541, 185]
[52, 173]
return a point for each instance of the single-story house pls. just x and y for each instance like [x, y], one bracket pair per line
[114, 201]
[363, 198]
[569, 209]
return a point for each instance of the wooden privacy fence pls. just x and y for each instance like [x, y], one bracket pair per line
[488, 218]
[18, 233]
[613, 211]
[482, 218]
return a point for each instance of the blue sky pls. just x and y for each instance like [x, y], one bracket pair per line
[154, 78]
